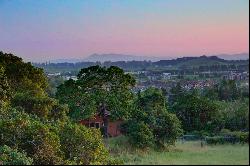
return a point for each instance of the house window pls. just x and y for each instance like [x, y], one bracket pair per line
[97, 125]
[92, 124]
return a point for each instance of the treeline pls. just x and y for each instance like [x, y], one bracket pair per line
[191, 64]
[216, 68]
[224, 107]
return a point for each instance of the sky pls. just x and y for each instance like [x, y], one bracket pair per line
[62, 29]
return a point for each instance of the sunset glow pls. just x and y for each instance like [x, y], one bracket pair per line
[56, 29]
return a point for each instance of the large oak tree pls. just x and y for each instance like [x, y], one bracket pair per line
[98, 87]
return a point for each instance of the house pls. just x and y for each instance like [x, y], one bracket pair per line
[70, 77]
[166, 76]
[102, 121]
[53, 74]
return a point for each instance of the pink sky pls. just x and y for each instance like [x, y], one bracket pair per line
[160, 28]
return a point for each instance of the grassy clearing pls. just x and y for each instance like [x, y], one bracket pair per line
[189, 153]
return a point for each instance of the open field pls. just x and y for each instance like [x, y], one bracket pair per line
[189, 153]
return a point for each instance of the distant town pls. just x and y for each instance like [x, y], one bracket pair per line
[202, 72]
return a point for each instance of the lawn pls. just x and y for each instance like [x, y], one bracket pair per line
[188, 153]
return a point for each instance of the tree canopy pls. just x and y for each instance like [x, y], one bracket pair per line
[23, 76]
[196, 112]
[98, 86]
[151, 123]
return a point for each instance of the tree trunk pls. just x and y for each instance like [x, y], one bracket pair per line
[105, 120]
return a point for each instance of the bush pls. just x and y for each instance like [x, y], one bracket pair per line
[61, 143]
[167, 129]
[10, 156]
[229, 137]
[83, 145]
[235, 114]
[115, 162]
[40, 105]
[140, 135]
[151, 124]
[196, 112]
[218, 140]
[243, 137]
[19, 130]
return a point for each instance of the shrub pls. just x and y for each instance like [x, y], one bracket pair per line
[140, 135]
[167, 129]
[83, 145]
[229, 137]
[244, 137]
[61, 143]
[235, 114]
[240, 136]
[196, 112]
[42, 106]
[151, 124]
[9, 156]
[115, 162]
[19, 130]
[218, 140]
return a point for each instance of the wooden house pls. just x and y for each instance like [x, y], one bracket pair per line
[102, 121]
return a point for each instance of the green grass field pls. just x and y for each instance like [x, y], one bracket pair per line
[188, 153]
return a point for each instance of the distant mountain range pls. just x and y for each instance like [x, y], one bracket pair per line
[240, 56]
[108, 57]
[118, 57]
[122, 57]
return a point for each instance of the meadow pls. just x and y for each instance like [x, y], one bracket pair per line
[187, 153]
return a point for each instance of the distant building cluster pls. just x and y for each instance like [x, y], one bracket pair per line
[200, 84]
[167, 80]
[237, 76]
[53, 74]
[70, 77]
[65, 77]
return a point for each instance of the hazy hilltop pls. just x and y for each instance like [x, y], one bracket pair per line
[122, 57]
[107, 57]
[173, 64]
[118, 57]
[240, 56]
